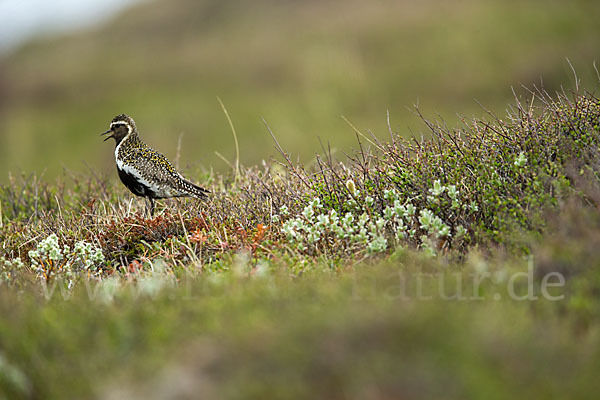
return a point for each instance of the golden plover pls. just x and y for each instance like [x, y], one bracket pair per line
[144, 171]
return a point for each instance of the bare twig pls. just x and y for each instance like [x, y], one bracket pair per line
[574, 74]
[178, 152]
[235, 139]
[291, 166]
[359, 132]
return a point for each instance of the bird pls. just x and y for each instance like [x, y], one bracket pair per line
[145, 171]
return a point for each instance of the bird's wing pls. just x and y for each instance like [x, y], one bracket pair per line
[156, 171]
[165, 180]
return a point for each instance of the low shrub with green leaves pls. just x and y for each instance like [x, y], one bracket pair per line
[487, 183]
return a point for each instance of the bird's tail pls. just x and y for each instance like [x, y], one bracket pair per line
[195, 190]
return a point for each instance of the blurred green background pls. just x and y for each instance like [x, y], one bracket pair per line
[299, 64]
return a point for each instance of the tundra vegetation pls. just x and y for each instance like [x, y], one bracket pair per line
[458, 265]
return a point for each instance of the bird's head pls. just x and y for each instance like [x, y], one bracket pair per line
[121, 126]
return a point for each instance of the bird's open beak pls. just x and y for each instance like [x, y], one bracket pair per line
[108, 137]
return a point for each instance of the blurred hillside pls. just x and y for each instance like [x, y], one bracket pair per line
[299, 64]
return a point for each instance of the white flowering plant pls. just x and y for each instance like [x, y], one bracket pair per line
[49, 260]
[375, 224]
[8, 268]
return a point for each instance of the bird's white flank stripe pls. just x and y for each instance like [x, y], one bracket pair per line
[138, 177]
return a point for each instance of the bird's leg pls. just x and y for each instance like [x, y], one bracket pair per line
[150, 207]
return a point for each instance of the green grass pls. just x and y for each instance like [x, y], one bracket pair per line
[221, 299]
[300, 65]
[254, 338]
